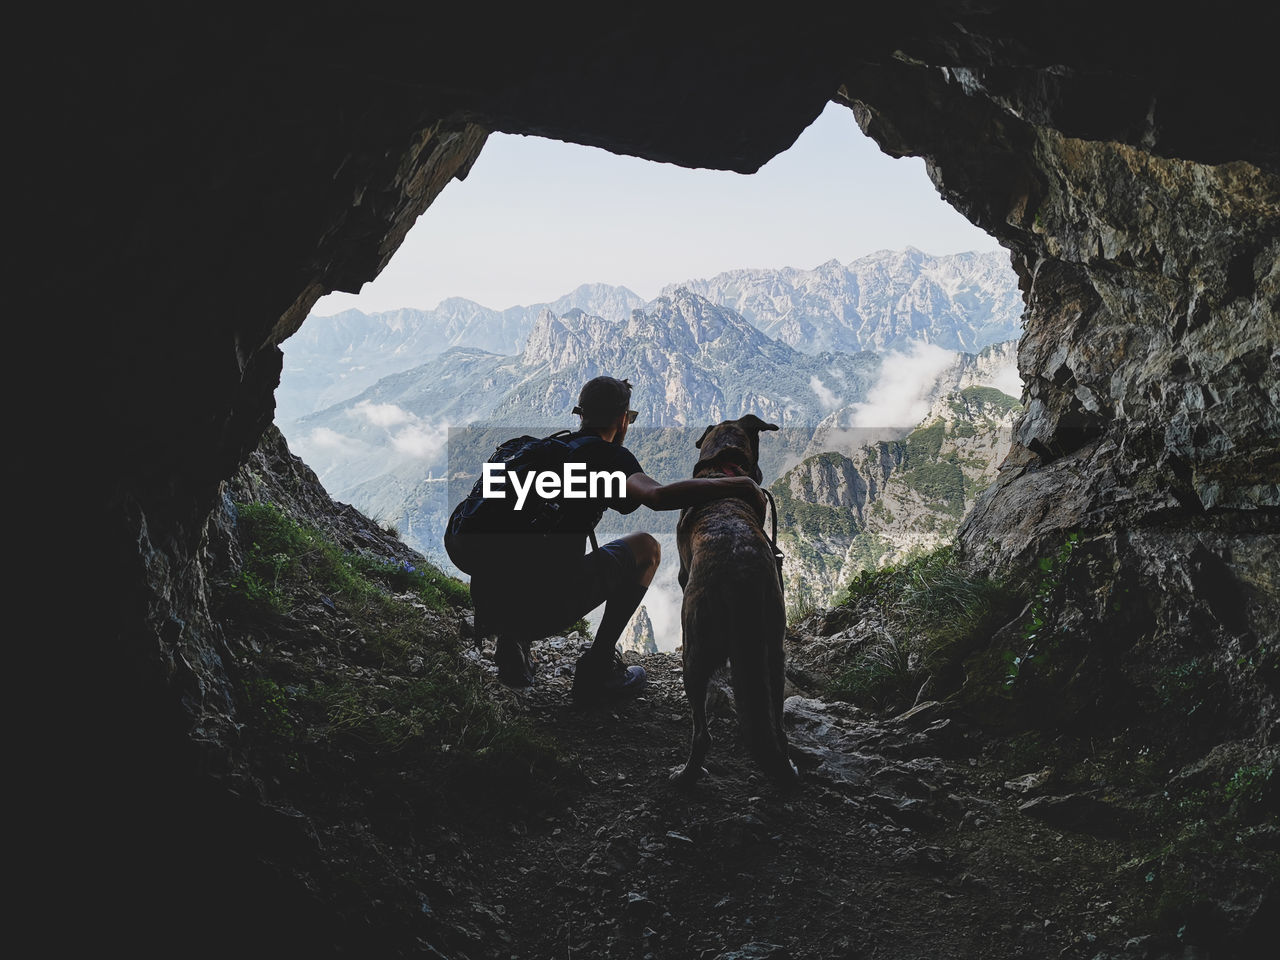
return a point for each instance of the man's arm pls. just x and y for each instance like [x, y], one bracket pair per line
[689, 493]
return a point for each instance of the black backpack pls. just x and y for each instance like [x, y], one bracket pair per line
[477, 515]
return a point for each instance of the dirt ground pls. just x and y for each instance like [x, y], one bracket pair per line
[902, 841]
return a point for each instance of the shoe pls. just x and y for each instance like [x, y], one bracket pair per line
[512, 657]
[598, 678]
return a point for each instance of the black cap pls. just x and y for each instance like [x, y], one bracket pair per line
[604, 397]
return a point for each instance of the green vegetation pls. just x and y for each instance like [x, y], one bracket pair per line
[973, 486]
[935, 616]
[814, 519]
[356, 659]
[865, 554]
[991, 397]
[1039, 631]
[267, 707]
[884, 675]
[924, 444]
[441, 710]
[282, 556]
[436, 589]
[941, 484]
[800, 604]
[1249, 783]
[1227, 821]
[880, 511]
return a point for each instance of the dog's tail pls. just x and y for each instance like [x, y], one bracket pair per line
[757, 693]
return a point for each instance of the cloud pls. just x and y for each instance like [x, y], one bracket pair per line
[1006, 380]
[382, 414]
[421, 440]
[900, 398]
[330, 441]
[826, 396]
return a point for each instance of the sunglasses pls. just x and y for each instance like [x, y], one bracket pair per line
[631, 416]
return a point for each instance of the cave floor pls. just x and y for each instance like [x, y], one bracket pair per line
[901, 842]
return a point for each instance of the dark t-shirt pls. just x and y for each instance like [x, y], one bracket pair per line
[570, 539]
[599, 456]
[539, 556]
[530, 567]
[531, 554]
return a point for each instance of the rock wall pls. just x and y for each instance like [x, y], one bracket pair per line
[1150, 357]
[1151, 348]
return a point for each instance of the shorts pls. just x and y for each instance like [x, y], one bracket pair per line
[531, 597]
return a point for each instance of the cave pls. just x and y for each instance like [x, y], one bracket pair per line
[204, 181]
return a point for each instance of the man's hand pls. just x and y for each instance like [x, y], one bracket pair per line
[690, 493]
[750, 491]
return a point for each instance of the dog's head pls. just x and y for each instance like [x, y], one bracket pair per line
[733, 445]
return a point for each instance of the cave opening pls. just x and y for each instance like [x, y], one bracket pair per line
[832, 230]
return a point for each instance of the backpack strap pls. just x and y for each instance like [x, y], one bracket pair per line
[574, 444]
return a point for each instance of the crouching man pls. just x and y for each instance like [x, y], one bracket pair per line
[529, 584]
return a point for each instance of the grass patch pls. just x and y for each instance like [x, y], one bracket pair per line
[800, 606]
[283, 557]
[884, 675]
[433, 587]
[935, 615]
[442, 710]
[353, 665]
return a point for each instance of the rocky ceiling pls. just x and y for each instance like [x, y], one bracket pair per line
[200, 180]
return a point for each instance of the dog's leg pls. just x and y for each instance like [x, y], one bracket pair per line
[697, 678]
[777, 681]
[757, 690]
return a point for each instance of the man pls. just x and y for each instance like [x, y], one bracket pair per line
[540, 583]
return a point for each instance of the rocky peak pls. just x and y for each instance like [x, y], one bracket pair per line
[876, 503]
[828, 480]
[695, 321]
[638, 637]
[560, 342]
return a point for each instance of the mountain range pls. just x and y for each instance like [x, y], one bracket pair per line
[690, 363]
[888, 300]
[334, 357]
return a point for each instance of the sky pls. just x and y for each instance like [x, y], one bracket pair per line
[536, 218]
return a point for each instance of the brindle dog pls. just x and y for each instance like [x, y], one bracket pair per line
[733, 606]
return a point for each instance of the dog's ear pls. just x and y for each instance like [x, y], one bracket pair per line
[698, 444]
[752, 422]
